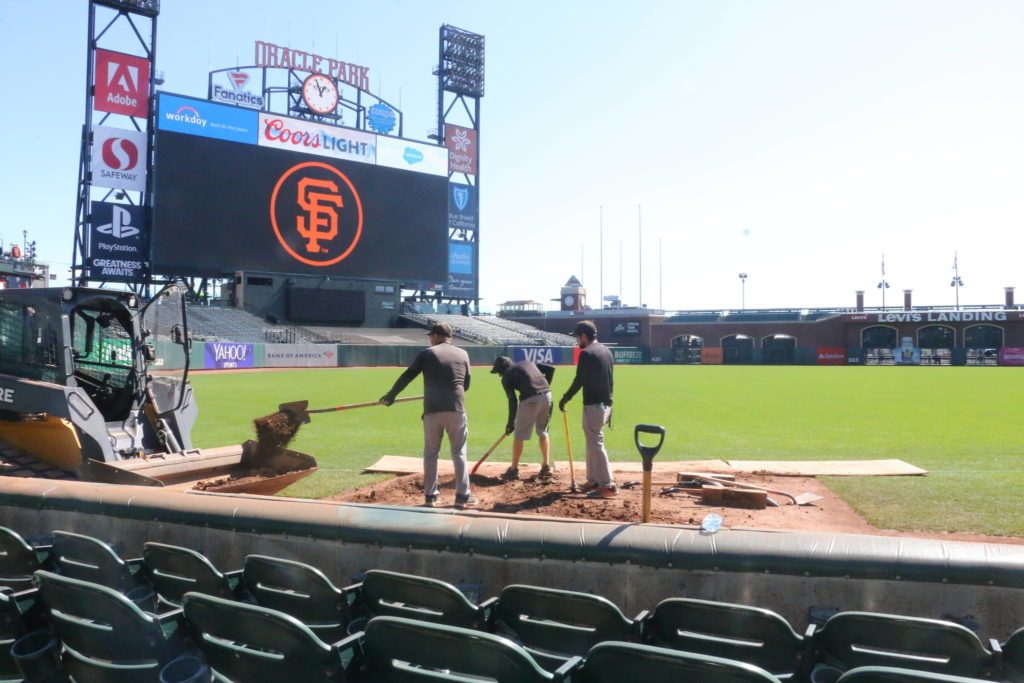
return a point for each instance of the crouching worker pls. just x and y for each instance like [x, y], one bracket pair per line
[531, 412]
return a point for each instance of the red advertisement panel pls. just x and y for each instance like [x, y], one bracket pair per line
[711, 355]
[831, 355]
[122, 83]
[1011, 356]
[462, 150]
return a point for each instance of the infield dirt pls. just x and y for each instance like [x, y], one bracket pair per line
[531, 496]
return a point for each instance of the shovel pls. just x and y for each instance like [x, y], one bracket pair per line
[298, 412]
[807, 498]
[647, 453]
[487, 454]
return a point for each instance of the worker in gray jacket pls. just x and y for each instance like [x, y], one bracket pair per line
[445, 369]
[531, 412]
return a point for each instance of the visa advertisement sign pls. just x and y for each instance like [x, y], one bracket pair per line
[552, 355]
[228, 355]
[206, 119]
[412, 156]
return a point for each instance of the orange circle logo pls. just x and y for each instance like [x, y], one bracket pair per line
[316, 213]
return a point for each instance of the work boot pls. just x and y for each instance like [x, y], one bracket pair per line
[545, 472]
[609, 491]
[430, 500]
[511, 474]
[467, 501]
[588, 487]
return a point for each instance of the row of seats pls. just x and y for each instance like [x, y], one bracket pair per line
[294, 610]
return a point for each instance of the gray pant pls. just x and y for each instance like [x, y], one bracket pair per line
[435, 425]
[594, 419]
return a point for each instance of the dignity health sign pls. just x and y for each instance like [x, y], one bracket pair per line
[228, 355]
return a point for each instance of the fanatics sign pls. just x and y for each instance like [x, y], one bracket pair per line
[121, 84]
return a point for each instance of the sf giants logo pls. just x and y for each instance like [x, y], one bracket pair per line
[316, 213]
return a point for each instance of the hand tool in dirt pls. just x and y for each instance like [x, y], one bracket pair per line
[568, 447]
[647, 453]
[488, 453]
[298, 412]
[807, 498]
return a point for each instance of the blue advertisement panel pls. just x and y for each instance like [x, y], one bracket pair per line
[117, 242]
[226, 355]
[206, 119]
[461, 270]
[552, 355]
[463, 207]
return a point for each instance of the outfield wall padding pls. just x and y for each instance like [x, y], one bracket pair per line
[635, 565]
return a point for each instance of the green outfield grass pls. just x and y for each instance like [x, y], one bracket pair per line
[961, 424]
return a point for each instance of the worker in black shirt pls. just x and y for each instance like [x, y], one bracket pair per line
[594, 374]
[531, 412]
[445, 371]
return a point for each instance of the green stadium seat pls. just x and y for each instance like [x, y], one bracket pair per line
[746, 634]
[303, 592]
[618, 662]
[886, 674]
[19, 560]
[18, 616]
[252, 644]
[105, 636]
[405, 650]
[89, 559]
[556, 625]
[415, 597]
[1013, 656]
[849, 640]
[175, 571]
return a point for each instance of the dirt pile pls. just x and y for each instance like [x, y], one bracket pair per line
[273, 432]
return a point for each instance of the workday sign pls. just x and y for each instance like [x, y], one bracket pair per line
[227, 355]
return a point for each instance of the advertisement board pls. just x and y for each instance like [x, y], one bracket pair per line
[711, 355]
[462, 148]
[552, 355]
[1010, 355]
[412, 156]
[626, 328]
[121, 83]
[117, 242]
[627, 355]
[307, 137]
[235, 87]
[828, 355]
[221, 206]
[301, 356]
[188, 115]
[462, 281]
[462, 207]
[118, 158]
[227, 355]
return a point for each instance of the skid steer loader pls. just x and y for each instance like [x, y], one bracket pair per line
[94, 386]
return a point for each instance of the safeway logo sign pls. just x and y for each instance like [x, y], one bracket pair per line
[118, 158]
[121, 83]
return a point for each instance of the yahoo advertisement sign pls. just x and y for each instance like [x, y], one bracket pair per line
[226, 355]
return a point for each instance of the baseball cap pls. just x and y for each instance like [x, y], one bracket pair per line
[443, 329]
[585, 327]
[501, 364]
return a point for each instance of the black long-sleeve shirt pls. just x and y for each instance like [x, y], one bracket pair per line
[593, 375]
[445, 371]
[529, 379]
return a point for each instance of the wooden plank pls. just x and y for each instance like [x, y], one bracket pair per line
[833, 468]
[735, 498]
[398, 464]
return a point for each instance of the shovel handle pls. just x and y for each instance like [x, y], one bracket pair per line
[487, 454]
[363, 405]
[648, 452]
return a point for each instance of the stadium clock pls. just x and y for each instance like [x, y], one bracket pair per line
[320, 93]
[569, 299]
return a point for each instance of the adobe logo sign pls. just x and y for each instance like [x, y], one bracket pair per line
[122, 84]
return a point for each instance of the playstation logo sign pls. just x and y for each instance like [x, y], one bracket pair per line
[120, 225]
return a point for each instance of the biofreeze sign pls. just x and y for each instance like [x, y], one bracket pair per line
[942, 317]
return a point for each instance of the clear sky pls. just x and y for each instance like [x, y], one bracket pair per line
[795, 141]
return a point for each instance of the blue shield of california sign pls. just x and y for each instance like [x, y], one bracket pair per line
[462, 207]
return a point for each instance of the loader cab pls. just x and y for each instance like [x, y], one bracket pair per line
[166, 346]
[103, 353]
